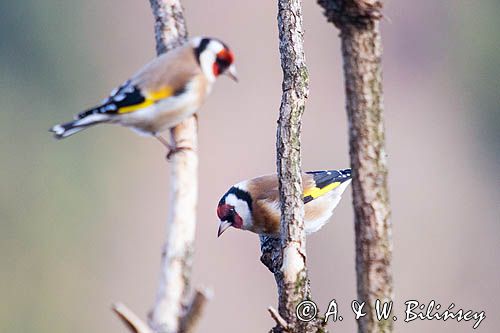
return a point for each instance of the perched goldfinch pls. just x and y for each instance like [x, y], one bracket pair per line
[162, 94]
[254, 204]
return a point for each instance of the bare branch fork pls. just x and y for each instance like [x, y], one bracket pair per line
[358, 22]
[286, 257]
[173, 312]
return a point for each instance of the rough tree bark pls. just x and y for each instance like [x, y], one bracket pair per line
[358, 22]
[172, 312]
[286, 257]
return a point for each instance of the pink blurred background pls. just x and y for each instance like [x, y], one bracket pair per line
[82, 221]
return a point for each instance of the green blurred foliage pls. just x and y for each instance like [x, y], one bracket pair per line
[39, 43]
[476, 60]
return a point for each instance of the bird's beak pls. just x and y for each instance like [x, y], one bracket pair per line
[231, 72]
[223, 227]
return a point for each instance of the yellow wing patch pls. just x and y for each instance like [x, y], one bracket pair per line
[161, 94]
[151, 98]
[316, 192]
[132, 108]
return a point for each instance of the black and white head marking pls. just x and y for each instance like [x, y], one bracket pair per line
[206, 50]
[241, 200]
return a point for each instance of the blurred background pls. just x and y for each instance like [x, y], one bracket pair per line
[82, 221]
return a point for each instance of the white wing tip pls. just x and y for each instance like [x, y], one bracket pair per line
[58, 130]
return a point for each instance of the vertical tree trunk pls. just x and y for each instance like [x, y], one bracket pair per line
[358, 21]
[286, 258]
[172, 311]
[293, 287]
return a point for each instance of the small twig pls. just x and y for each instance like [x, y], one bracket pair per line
[130, 319]
[195, 310]
[278, 318]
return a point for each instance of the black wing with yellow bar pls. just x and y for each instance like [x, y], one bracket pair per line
[325, 181]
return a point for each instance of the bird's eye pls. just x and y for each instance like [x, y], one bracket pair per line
[223, 63]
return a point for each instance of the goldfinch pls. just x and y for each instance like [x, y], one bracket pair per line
[162, 94]
[254, 204]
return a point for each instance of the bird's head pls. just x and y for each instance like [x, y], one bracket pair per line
[215, 58]
[234, 210]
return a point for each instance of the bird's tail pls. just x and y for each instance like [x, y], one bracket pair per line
[62, 131]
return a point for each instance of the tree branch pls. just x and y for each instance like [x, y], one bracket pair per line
[170, 25]
[170, 32]
[195, 310]
[176, 263]
[170, 313]
[286, 257]
[277, 318]
[293, 286]
[130, 319]
[358, 21]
